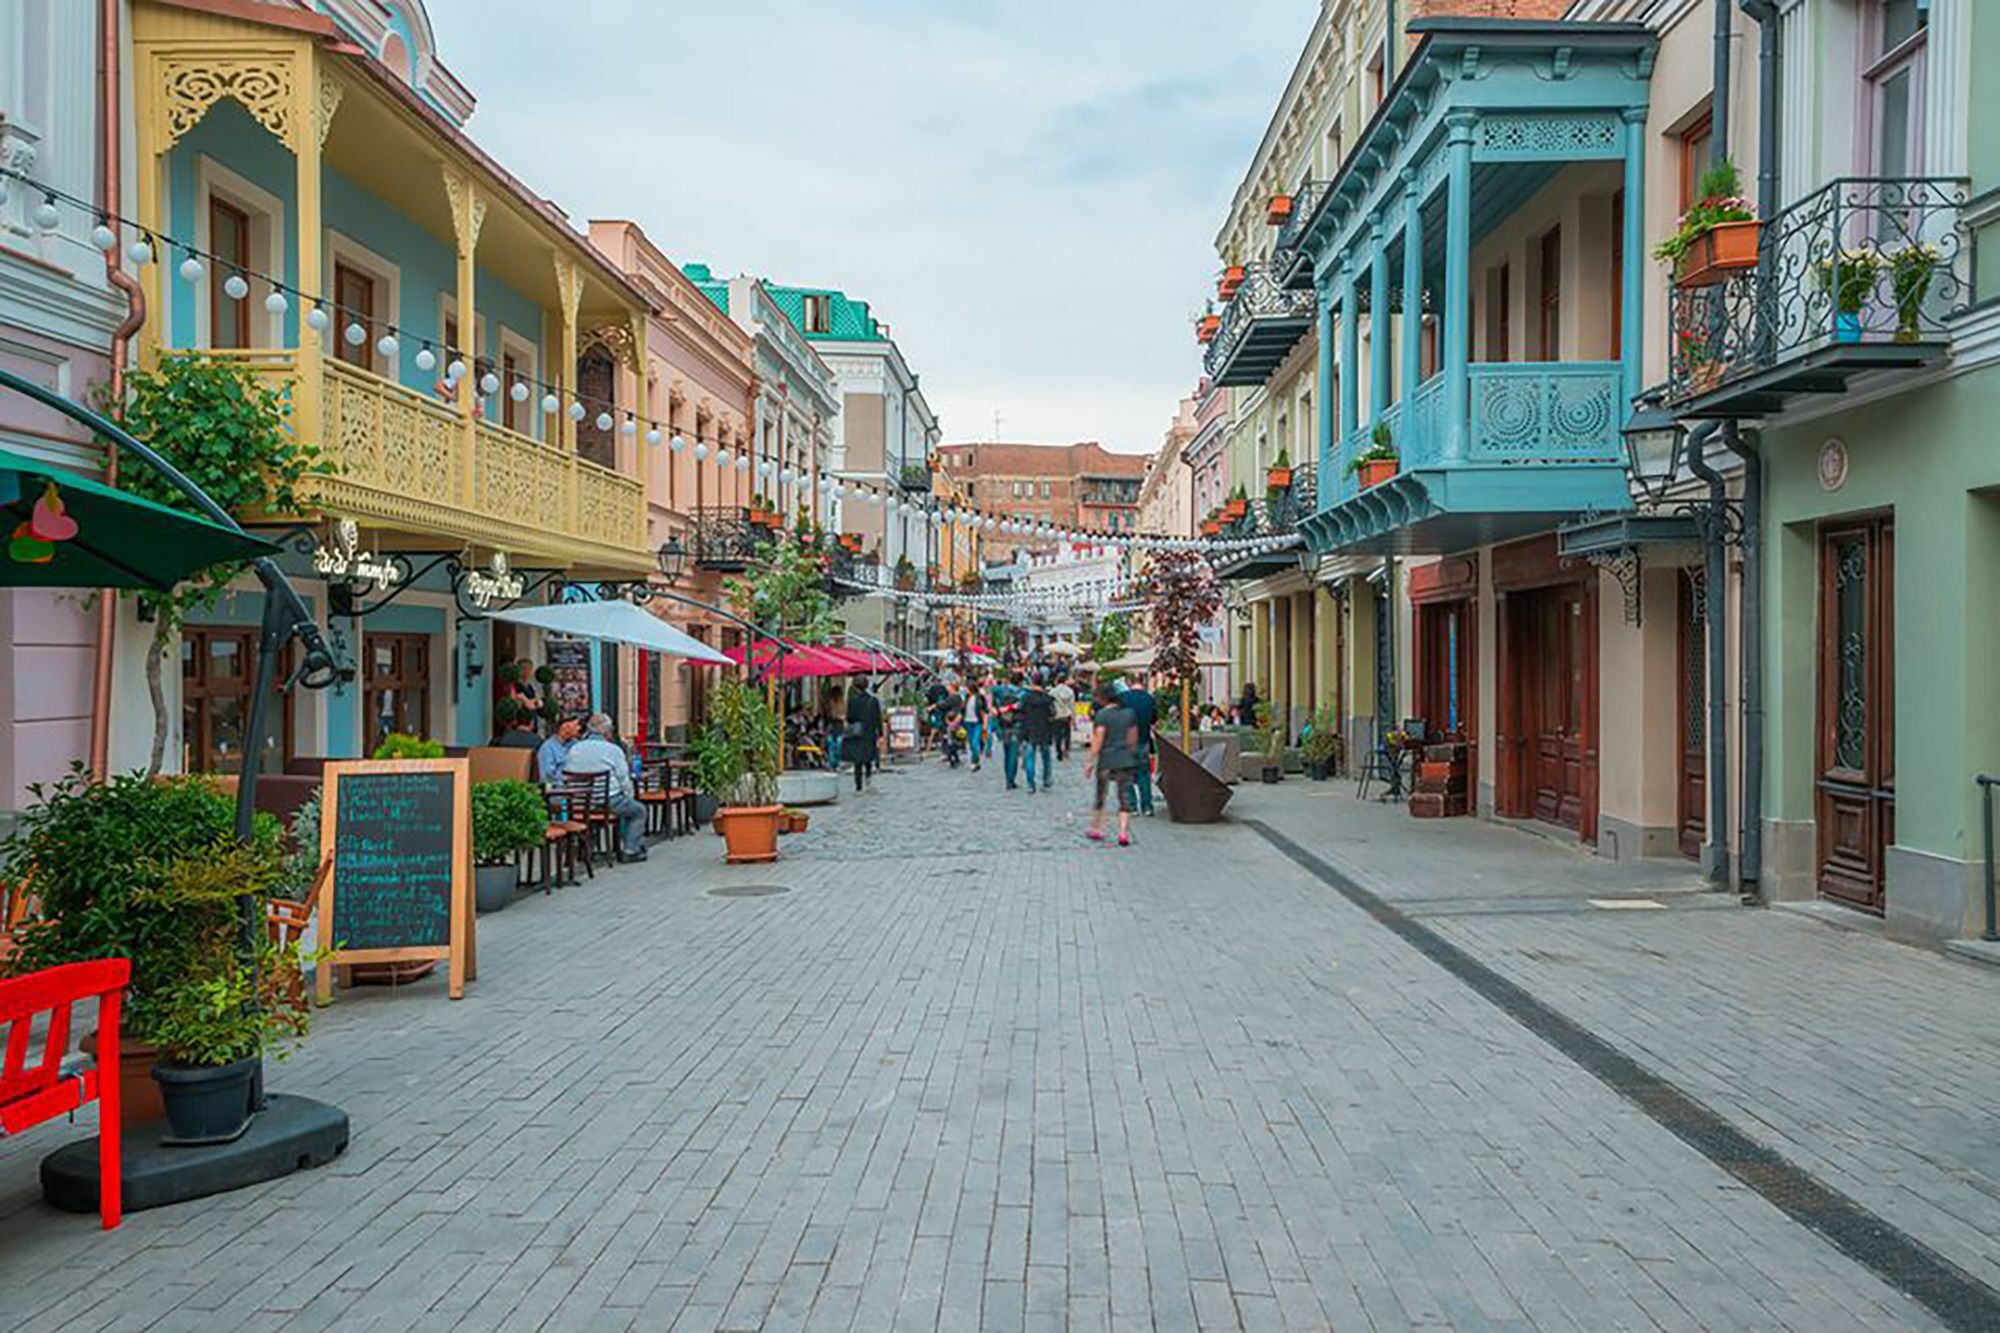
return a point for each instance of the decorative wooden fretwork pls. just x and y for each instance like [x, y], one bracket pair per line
[328, 102]
[263, 85]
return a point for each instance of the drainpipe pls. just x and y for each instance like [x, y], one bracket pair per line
[1719, 100]
[109, 168]
[1765, 15]
[1715, 857]
[1388, 43]
[1749, 869]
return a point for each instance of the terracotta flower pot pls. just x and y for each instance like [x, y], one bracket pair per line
[1210, 527]
[1726, 248]
[1232, 278]
[1234, 510]
[1206, 329]
[1375, 471]
[1277, 478]
[1280, 210]
[750, 832]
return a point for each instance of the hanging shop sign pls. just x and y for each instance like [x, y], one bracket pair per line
[343, 561]
[497, 583]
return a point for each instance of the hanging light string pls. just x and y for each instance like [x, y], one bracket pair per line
[150, 245]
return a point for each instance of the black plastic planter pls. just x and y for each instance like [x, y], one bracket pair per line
[208, 1104]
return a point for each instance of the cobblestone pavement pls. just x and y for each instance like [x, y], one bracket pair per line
[972, 1072]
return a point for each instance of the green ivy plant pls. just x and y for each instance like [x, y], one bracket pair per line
[226, 432]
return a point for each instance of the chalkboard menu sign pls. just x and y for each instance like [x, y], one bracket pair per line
[396, 836]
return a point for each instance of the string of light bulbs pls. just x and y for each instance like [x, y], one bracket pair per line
[150, 244]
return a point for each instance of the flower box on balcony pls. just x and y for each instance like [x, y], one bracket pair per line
[1234, 510]
[1211, 527]
[1277, 478]
[1725, 248]
[1207, 328]
[1280, 211]
[1232, 278]
[761, 517]
[1375, 471]
[850, 542]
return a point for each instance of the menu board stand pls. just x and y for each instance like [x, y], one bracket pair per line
[397, 836]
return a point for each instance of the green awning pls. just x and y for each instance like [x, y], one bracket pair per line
[119, 539]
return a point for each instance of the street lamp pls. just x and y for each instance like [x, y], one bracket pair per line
[673, 559]
[1654, 444]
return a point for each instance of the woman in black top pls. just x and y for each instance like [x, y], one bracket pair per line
[864, 731]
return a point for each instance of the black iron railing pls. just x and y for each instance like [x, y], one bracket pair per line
[915, 477]
[1861, 261]
[725, 538]
[1291, 235]
[1280, 510]
[1260, 297]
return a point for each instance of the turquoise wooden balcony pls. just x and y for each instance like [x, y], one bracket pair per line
[1479, 125]
[1542, 445]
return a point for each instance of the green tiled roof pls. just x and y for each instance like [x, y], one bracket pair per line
[848, 320]
[714, 288]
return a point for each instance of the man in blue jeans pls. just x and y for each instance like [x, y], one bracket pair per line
[1035, 718]
[1006, 700]
[1145, 711]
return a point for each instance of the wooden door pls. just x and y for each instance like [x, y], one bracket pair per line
[397, 690]
[1691, 713]
[1444, 684]
[1856, 797]
[1558, 672]
[354, 295]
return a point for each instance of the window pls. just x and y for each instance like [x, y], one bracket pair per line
[1618, 275]
[229, 240]
[819, 314]
[1377, 84]
[218, 669]
[1697, 143]
[397, 688]
[597, 387]
[1549, 326]
[1045, 490]
[1893, 85]
[513, 415]
[354, 293]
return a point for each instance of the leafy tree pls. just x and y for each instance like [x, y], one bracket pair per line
[227, 434]
[1114, 633]
[786, 595]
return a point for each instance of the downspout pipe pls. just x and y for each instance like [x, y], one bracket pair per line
[1765, 15]
[110, 170]
[1715, 851]
[1718, 148]
[1749, 866]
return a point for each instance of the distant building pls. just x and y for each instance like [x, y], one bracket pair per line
[1166, 499]
[1082, 486]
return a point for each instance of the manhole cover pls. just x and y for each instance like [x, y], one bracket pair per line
[748, 891]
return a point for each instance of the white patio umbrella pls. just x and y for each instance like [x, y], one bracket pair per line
[614, 621]
[1063, 648]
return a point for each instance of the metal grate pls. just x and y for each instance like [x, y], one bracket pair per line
[748, 891]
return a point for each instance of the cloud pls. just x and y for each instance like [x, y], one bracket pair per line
[1027, 190]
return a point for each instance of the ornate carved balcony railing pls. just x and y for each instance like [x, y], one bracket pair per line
[1542, 443]
[402, 459]
[1285, 247]
[1864, 274]
[1278, 513]
[1259, 329]
[725, 539]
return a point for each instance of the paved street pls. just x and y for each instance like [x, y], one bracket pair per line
[971, 1072]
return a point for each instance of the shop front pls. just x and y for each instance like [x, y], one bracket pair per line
[1546, 734]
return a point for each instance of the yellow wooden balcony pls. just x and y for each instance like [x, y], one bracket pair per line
[402, 462]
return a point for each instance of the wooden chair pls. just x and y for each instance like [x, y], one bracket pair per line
[566, 835]
[590, 804]
[32, 1094]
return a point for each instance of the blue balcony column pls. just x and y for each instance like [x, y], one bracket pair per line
[1631, 331]
[1328, 424]
[1378, 321]
[1457, 312]
[1350, 358]
[1412, 341]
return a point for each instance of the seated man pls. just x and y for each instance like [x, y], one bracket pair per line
[598, 753]
[554, 751]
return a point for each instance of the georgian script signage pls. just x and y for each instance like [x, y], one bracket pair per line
[396, 835]
[499, 584]
[343, 561]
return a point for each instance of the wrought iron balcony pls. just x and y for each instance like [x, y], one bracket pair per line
[915, 477]
[726, 540]
[1862, 275]
[1286, 248]
[1278, 514]
[1260, 327]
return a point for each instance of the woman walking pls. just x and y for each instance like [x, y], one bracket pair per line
[1114, 754]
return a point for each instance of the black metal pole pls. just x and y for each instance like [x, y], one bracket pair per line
[1986, 782]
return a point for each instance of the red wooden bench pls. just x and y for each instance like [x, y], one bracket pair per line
[33, 1093]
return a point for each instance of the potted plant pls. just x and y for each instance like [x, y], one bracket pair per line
[1278, 476]
[1232, 278]
[1207, 327]
[1267, 742]
[906, 573]
[1236, 506]
[545, 675]
[1211, 525]
[508, 818]
[1910, 272]
[1279, 211]
[1322, 746]
[1849, 277]
[401, 745]
[104, 858]
[1717, 236]
[1379, 461]
[736, 763]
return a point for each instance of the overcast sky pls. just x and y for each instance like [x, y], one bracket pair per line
[1027, 190]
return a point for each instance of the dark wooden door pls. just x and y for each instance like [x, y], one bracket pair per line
[1444, 684]
[397, 690]
[597, 389]
[1558, 670]
[1691, 713]
[1856, 799]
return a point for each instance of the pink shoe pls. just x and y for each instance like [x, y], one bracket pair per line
[1124, 841]
[1093, 835]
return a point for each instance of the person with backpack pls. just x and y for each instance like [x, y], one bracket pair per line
[1114, 753]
